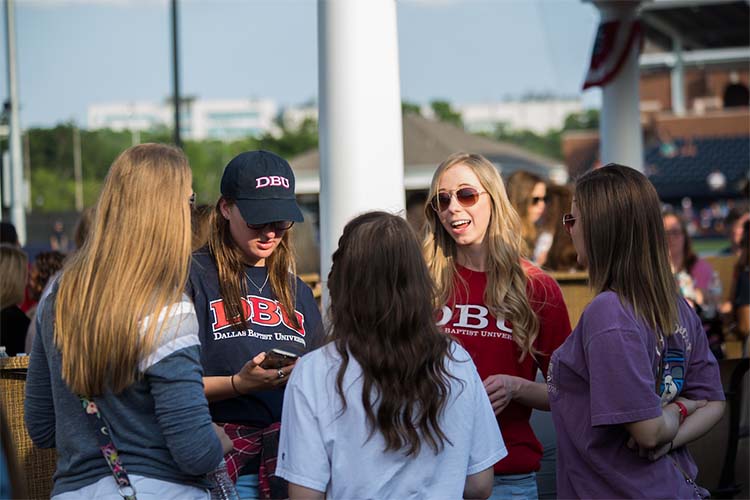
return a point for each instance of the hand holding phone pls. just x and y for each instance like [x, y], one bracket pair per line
[278, 358]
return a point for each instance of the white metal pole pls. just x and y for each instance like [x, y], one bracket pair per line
[361, 146]
[677, 78]
[17, 215]
[620, 136]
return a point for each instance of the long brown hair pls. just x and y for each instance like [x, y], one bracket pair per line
[133, 264]
[520, 185]
[505, 294]
[230, 264]
[626, 245]
[392, 333]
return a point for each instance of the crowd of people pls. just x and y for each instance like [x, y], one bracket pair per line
[183, 345]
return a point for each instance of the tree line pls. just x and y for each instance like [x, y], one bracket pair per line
[50, 153]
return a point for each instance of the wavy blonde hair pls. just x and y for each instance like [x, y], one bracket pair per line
[13, 272]
[133, 264]
[505, 294]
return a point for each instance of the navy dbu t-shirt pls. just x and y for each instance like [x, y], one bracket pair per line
[226, 347]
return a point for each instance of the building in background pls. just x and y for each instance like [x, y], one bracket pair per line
[222, 119]
[537, 115]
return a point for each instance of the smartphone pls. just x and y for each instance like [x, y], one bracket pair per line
[278, 358]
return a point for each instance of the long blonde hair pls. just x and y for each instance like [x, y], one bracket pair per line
[133, 264]
[626, 245]
[13, 271]
[505, 294]
[230, 266]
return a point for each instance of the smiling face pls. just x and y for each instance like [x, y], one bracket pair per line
[535, 210]
[466, 225]
[256, 244]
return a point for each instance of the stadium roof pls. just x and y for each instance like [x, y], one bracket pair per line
[700, 24]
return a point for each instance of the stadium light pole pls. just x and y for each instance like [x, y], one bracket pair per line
[17, 214]
[176, 75]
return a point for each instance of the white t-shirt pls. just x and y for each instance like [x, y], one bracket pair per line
[325, 450]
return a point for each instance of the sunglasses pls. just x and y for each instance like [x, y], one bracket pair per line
[466, 197]
[535, 200]
[568, 221]
[279, 225]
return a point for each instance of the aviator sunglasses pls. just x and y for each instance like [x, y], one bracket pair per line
[466, 197]
[279, 225]
[568, 221]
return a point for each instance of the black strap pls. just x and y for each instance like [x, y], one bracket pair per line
[108, 449]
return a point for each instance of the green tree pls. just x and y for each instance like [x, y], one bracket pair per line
[410, 107]
[445, 113]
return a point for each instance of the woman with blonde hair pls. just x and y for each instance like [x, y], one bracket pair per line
[635, 382]
[114, 381]
[506, 312]
[14, 322]
[527, 193]
[250, 302]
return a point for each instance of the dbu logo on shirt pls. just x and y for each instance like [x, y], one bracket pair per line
[258, 311]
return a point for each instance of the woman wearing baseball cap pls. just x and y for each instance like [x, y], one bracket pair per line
[249, 301]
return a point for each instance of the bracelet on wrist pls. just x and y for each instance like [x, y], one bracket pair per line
[231, 379]
[683, 411]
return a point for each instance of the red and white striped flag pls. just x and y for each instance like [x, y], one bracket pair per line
[613, 42]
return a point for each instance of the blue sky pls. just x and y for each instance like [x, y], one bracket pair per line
[73, 53]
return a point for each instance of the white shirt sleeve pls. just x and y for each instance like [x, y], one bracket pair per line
[487, 445]
[302, 457]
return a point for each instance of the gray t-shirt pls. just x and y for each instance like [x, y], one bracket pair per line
[160, 424]
[604, 376]
[325, 450]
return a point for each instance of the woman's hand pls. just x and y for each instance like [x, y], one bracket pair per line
[691, 405]
[226, 443]
[660, 450]
[252, 377]
[501, 390]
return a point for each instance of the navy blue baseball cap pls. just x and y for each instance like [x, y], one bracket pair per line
[261, 184]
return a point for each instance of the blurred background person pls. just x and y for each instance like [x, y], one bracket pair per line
[409, 399]
[527, 193]
[118, 338]
[8, 234]
[44, 267]
[200, 225]
[58, 239]
[689, 269]
[13, 278]
[696, 279]
[735, 222]
[562, 255]
[81, 231]
[740, 291]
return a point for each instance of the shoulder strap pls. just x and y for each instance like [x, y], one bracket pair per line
[107, 447]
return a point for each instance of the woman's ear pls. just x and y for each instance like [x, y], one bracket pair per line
[225, 208]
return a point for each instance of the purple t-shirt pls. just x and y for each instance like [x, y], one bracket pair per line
[604, 376]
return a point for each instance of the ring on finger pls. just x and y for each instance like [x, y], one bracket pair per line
[281, 373]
